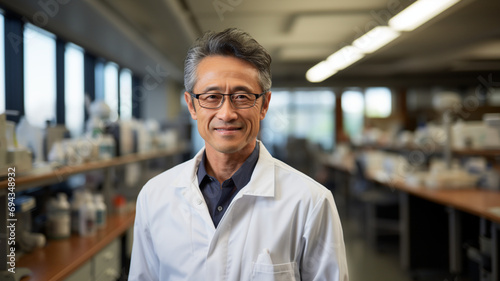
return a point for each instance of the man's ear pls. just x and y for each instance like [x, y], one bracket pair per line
[190, 103]
[265, 105]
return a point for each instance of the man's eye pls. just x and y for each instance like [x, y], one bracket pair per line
[212, 97]
[241, 97]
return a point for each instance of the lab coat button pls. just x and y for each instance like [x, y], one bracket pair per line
[198, 201]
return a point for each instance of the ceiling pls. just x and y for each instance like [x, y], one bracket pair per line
[455, 46]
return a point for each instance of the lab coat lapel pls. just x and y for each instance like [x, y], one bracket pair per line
[188, 180]
[262, 180]
[261, 184]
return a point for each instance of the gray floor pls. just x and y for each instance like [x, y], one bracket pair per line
[367, 263]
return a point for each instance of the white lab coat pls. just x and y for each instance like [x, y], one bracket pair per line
[282, 226]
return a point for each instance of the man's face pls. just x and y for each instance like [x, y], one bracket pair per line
[227, 129]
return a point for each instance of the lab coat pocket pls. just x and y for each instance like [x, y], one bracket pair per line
[273, 272]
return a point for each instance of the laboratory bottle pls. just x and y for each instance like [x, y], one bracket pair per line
[75, 210]
[87, 223]
[101, 211]
[58, 217]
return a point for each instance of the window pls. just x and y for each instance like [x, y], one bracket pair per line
[2, 64]
[378, 102]
[276, 126]
[352, 113]
[39, 76]
[74, 90]
[99, 79]
[493, 96]
[314, 117]
[303, 114]
[125, 94]
[111, 88]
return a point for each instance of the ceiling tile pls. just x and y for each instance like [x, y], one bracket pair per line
[484, 50]
[333, 28]
[204, 7]
[305, 53]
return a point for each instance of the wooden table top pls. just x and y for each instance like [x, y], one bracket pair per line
[479, 202]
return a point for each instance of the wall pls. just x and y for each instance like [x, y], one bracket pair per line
[154, 102]
[161, 100]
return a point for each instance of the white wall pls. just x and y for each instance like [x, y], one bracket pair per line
[161, 100]
[154, 102]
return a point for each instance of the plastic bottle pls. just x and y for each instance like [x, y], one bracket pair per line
[101, 211]
[59, 218]
[87, 223]
[106, 147]
[490, 179]
[75, 210]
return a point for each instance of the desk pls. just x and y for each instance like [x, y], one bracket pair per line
[479, 203]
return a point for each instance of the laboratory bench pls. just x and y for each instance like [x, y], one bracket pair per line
[97, 257]
[435, 225]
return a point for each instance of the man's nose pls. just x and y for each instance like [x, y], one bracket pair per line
[227, 111]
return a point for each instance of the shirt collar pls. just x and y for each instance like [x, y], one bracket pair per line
[240, 177]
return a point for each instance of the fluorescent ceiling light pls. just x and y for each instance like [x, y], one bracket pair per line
[335, 62]
[344, 57]
[418, 13]
[410, 18]
[375, 39]
[320, 72]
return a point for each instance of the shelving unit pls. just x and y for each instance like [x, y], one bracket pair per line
[24, 182]
[59, 258]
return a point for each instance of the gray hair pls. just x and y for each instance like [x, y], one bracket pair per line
[230, 42]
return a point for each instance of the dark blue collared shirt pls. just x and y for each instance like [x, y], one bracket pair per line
[218, 197]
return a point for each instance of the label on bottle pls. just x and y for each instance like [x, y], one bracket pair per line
[99, 217]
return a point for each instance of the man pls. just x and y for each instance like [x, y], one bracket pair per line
[233, 212]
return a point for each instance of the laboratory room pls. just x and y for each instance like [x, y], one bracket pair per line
[240, 140]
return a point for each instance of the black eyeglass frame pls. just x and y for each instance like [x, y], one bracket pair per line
[257, 96]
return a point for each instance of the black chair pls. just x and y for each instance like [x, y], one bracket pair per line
[381, 206]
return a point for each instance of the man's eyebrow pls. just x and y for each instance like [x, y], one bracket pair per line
[235, 89]
[241, 88]
[212, 88]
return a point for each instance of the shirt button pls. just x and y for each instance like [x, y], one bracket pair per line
[220, 208]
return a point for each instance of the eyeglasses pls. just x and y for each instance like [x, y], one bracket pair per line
[238, 100]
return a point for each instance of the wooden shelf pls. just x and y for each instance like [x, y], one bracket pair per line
[59, 258]
[27, 181]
